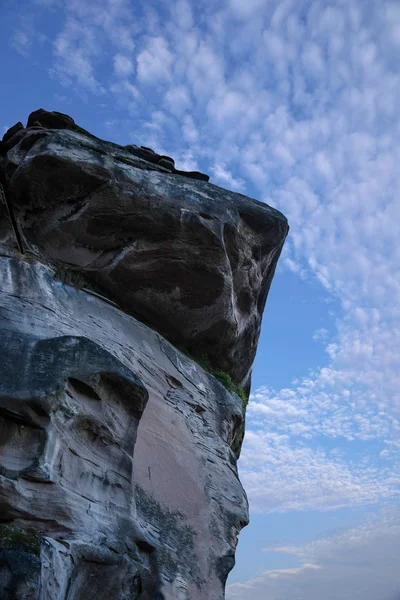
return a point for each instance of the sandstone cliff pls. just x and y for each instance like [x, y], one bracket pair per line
[118, 451]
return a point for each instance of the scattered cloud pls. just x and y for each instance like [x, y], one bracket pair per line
[355, 564]
[22, 42]
[297, 103]
[320, 334]
[225, 178]
[155, 60]
[123, 66]
[178, 100]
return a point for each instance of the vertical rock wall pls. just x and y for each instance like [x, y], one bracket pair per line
[118, 452]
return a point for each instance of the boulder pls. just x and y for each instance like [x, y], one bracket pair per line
[8, 134]
[51, 120]
[190, 258]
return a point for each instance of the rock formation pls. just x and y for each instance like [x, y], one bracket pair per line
[118, 452]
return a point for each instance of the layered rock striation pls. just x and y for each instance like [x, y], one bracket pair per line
[118, 452]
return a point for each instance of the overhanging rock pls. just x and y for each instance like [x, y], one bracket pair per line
[191, 259]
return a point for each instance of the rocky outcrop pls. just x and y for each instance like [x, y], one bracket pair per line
[192, 259]
[118, 452]
[117, 474]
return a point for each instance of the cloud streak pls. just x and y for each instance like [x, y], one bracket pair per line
[335, 567]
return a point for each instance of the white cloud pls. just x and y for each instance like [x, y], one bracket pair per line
[245, 10]
[320, 334]
[178, 99]
[75, 49]
[22, 42]
[182, 14]
[155, 60]
[225, 178]
[186, 161]
[122, 65]
[312, 60]
[190, 131]
[356, 564]
[228, 105]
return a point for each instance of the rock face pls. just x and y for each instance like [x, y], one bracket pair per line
[192, 259]
[118, 476]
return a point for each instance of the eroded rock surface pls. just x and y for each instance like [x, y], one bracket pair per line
[117, 474]
[190, 258]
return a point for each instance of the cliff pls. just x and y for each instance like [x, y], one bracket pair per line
[118, 275]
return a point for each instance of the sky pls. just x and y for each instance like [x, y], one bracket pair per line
[295, 103]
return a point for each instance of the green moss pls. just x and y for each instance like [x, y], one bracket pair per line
[225, 378]
[70, 277]
[15, 538]
[232, 386]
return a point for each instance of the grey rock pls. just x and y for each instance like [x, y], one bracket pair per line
[167, 163]
[193, 175]
[192, 259]
[117, 474]
[143, 152]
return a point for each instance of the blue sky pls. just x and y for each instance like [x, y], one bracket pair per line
[293, 102]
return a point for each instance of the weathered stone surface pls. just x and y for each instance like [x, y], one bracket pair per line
[192, 259]
[10, 132]
[7, 234]
[51, 120]
[117, 475]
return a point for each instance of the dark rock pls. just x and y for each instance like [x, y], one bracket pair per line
[26, 138]
[192, 259]
[50, 120]
[193, 175]
[8, 134]
[55, 120]
[144, 153]
[149, 149]
[167, 159]
[7, 235]
[167, 164]
[12, 141]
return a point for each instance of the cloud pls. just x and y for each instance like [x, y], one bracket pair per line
[177, 99]
[182, 14]
[291, 473]
[49, 3]
[25, 36]
[190, 131]
[320, 334]
[22, 42]
[355, 564]
[154, 61]
[123, 66]
[225, 177]
[75, 49]
[296, 101]
[245, 10]
[86, 36]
